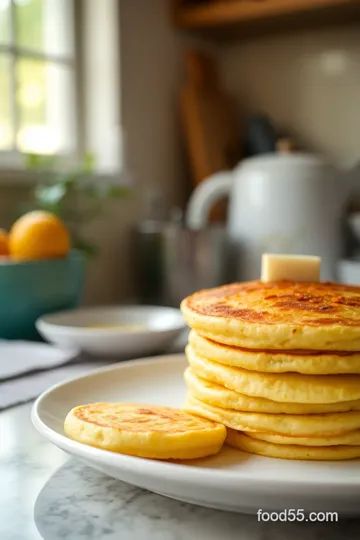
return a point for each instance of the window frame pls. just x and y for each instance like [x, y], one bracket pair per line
[12, 160]
[96, 30]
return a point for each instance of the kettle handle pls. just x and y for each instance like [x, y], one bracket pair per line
[351, 181]
[204, 197]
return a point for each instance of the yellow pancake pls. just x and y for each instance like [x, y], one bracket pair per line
[280, 315]
[283, 387]
[290, 425]
[352, 438]
[219, 396]
[284, 451]
[144, 430]
[271, 361]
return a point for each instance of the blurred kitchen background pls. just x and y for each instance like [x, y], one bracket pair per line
[166, 93]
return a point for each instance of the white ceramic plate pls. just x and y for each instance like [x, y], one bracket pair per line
[233, 480]
[86, 329]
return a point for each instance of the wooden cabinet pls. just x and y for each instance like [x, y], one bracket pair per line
[259, 14]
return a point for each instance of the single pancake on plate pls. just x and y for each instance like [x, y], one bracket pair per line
[277, 361]
[243, 442]
[280, 315]
[147, 431]
[351, 438]
[284, 387]
[219, 396]
[290, 425]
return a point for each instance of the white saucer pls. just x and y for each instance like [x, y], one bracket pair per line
[233, 480]
[155, 328]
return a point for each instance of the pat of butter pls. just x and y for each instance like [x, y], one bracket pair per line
[290, 267]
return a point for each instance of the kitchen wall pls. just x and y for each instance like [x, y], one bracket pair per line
[150, 74]
[309, 82]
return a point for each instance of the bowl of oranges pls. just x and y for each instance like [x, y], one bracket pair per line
[39, 273]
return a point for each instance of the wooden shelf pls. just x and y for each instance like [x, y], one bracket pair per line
[221, 14]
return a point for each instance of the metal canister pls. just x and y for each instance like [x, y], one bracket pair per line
[172, 262]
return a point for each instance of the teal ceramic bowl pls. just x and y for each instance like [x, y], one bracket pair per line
[29, 290]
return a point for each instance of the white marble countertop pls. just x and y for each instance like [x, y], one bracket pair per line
[45, 494]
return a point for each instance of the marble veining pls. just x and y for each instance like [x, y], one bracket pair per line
[46, 495]
[80, 503]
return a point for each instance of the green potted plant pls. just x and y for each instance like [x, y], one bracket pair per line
[74, 195]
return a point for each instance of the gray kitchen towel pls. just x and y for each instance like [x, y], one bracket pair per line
[20, 357]
[30, 385]
[27, 368]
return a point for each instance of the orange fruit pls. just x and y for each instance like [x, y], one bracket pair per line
[4, 242]
[38, 235]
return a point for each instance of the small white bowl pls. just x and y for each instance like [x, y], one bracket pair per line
[126, 331]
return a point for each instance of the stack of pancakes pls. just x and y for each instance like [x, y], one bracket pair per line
[279, 365]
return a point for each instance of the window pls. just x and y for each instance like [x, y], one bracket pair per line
[37, 77]
[42, 75]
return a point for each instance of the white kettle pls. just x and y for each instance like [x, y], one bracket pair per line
[279, 203]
